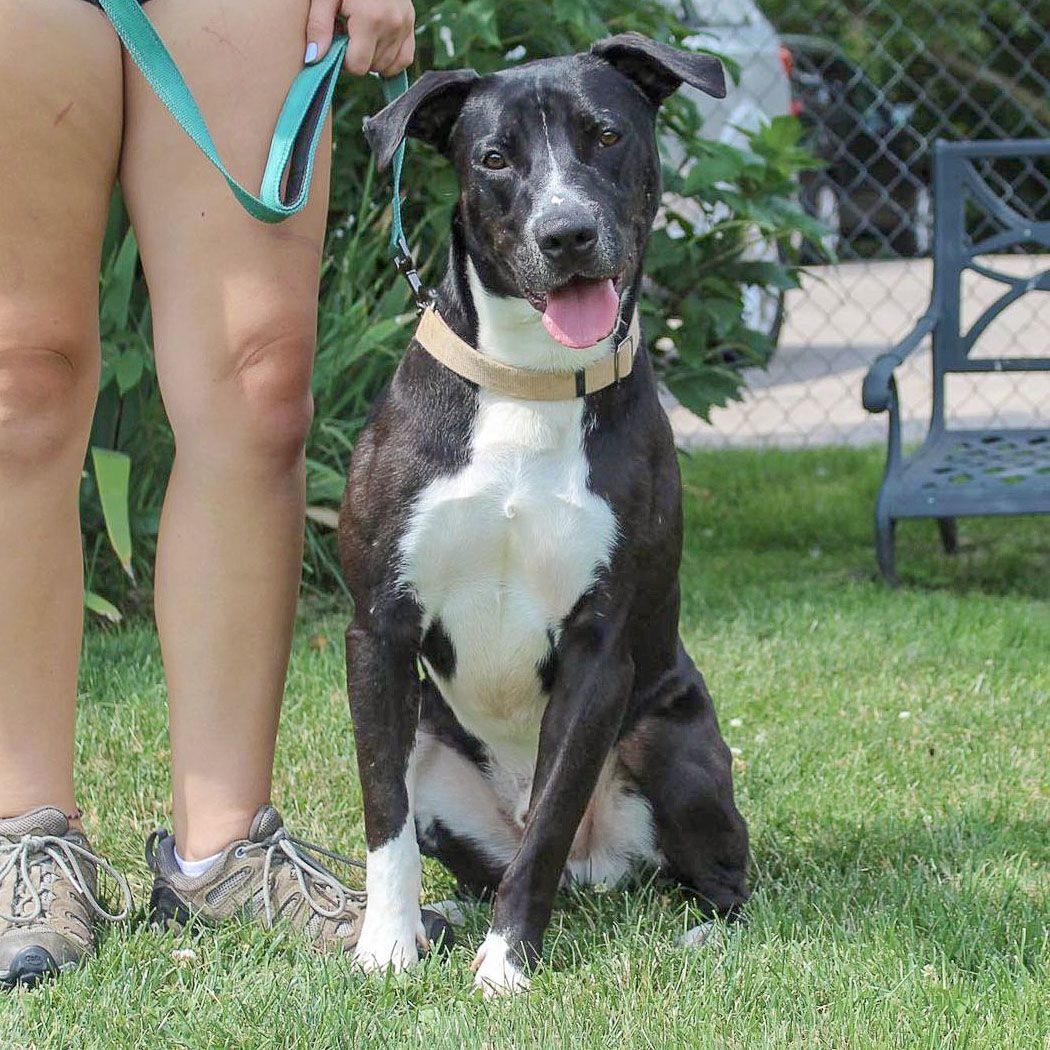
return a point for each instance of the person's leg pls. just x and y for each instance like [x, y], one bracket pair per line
[60, 129]
[234, 315]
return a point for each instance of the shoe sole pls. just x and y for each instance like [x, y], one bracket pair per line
[439, 931]
[30, 966]
[167, 911]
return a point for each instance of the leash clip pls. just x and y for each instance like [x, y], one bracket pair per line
[406, 266]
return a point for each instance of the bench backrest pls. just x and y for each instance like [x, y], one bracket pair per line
[957, 184]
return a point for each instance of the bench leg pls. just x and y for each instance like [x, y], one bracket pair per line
[885, 534]
[949, 534]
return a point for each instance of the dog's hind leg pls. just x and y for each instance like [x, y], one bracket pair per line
[381, 652]
[677, 756]
[458, 819]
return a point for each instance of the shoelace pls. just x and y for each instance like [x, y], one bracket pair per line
[31, 851]
[281, 847]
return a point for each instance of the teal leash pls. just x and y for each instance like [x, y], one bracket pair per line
[293, 149]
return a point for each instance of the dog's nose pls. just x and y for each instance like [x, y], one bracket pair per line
[567, 236]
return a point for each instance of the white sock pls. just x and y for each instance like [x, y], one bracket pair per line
[193, 868]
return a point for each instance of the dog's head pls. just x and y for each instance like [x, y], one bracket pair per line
[558, 170]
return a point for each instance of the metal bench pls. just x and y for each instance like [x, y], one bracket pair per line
[957, 473]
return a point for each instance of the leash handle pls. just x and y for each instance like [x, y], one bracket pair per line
[297, 133]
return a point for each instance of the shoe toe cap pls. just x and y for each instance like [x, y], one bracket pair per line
[27, 956]
[28, 966]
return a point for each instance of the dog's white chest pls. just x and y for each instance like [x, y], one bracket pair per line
[500, 553]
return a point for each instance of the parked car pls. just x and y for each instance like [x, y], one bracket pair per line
[876, 184]
[737, 30]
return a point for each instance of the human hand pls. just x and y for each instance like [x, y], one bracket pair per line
[382, 33]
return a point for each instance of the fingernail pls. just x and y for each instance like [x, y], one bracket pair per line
[311, 53]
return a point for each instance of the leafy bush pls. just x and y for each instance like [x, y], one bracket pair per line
[724, 199]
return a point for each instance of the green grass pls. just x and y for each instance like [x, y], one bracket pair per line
[892, 762]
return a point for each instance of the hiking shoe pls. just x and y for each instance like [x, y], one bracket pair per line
[49, 903]
[270, 877]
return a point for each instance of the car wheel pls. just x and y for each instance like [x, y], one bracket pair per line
[763, 305]
[916, 238]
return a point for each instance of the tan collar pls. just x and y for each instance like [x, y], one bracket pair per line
[435, 336]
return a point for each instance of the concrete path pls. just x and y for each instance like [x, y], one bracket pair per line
[839, 321]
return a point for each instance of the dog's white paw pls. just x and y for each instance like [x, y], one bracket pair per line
[496, 972]
[707, 935]
[389, 944]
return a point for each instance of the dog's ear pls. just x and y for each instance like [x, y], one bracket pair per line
[658, 69]
[427, 111]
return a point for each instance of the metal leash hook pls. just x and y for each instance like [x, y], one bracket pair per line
[400, 250]
[405, 265]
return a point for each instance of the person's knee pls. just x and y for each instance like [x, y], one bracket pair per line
[271, 381]
[46, 394]
[263, 408]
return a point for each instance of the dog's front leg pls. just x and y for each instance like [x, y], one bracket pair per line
[384, 701]
[578, 731]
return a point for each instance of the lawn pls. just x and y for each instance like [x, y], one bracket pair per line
[892, 760]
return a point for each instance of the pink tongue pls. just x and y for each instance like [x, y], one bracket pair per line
[582, 313]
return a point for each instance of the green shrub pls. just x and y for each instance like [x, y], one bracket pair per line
[698, 264]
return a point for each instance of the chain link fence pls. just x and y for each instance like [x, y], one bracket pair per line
[875, 85]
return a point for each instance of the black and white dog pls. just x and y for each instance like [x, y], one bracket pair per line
[523, 706]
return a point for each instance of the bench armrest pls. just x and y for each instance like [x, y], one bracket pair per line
[876, 391]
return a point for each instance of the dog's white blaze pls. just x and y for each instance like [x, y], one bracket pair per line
[500, 553]
[556, 188]
[496, 971]
[392, 926]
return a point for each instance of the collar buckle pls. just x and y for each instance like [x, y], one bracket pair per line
[624, 355]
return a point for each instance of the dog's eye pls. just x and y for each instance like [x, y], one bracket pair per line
[494, 161]
[609, 137]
